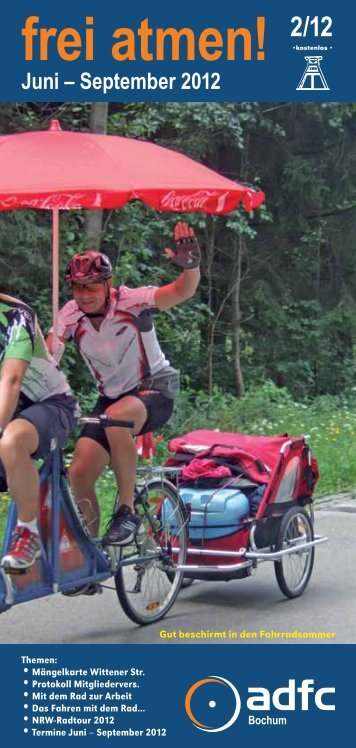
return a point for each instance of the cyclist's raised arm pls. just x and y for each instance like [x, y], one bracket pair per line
[178, 291]
[187, 256]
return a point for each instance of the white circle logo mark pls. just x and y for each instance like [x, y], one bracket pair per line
[223, 682]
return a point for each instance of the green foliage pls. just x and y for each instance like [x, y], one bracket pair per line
[293, 302]
[329, 421]
[284, 278]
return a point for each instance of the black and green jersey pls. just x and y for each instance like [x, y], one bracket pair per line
[21, 338]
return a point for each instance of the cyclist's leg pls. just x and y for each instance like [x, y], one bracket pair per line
[30, 435]
[122, 446]
[89, 461]
[149, 410]
[18, 443]
[144, 409]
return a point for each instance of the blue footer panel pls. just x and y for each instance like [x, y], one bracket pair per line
[210, 695]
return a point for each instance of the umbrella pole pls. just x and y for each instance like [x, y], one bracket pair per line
[55, 279]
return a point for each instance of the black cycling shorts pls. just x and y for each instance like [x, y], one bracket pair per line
[159, 410]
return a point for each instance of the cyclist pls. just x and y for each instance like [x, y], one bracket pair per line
[114, 332]
[37, 412]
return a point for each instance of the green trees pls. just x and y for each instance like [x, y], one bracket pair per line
[304, 315]
[276, 299]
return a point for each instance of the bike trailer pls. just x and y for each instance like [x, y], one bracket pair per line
[237, 488]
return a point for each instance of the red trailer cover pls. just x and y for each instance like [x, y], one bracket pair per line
[257, 455]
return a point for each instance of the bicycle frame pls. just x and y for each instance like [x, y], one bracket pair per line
[69, 556]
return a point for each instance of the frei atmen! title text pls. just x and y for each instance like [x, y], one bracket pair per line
[145, 43]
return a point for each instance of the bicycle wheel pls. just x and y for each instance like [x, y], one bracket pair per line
[293, 570]
[148, 581]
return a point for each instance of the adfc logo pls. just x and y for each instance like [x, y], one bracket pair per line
[214, 700]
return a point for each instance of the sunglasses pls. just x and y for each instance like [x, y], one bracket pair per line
[92, 287]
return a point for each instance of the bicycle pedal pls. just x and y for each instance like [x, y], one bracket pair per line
[86, 589]
[94, 589]
[15, 572]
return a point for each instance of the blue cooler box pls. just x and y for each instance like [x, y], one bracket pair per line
[215, 513]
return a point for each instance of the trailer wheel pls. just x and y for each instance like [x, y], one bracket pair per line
[293, 570]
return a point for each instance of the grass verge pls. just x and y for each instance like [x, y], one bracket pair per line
[329, 421]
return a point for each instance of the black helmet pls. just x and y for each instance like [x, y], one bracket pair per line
[88, 266]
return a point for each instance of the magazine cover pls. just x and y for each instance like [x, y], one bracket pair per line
[177, 372]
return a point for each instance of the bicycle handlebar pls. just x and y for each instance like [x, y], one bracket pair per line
[106, 422]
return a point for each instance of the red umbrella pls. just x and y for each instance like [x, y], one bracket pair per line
[57, 169]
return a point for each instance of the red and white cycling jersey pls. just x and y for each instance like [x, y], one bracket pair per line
[125, 350]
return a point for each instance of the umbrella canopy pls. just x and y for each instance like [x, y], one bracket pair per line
[66, 170]
[62, 170]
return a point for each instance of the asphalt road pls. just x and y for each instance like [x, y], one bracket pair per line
[250, 605]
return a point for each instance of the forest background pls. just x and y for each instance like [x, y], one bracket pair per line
[267, 345]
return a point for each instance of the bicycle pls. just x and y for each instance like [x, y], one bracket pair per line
[147, 572]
